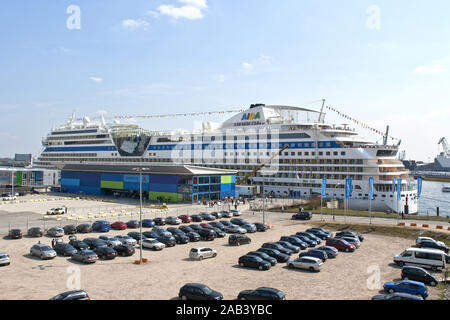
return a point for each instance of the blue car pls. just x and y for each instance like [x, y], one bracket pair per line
[407, 286]
[133, 224]
[148, 223]
[309, 242]
[101, 226]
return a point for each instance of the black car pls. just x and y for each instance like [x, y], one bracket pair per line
[322, 255]
[207, 234]
[180, 237]
[262, 294]
[95, 243]
[84, 228]
[320, 233]
[276, 246]
[350, 233]
[261, 227]
[254, 262]
[207, 216]
[197, 291]
[64, 249]
[295, 241]
[290, 246]
[398, 296]
[79, 245]
[169, 241]
[196, 227]
[106, 253]
[302, 216]
[219, 232]
[35, 232]
[238, 221]
[217, 224]
[332, 252]
[238, 239]
[281, 257]
[133, 224]
[309, 236]
[125, 250]
[419, 274]
[308, 241]
[433, 245]
[149, 234]
[137, 235]
[70, 229]
[186, 229]
[196, 218]
[263, 256]
[217, 215]
[193, 236]
[72, 295]
[160, 221]
[15, 234]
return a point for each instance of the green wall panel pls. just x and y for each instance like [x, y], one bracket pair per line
[117, 185]
[168, 196]
[225, 179]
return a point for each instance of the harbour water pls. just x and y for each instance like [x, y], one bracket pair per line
[432, 197]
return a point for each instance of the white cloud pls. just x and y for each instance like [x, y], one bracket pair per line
[247, 66]
[132, 25]
[153, 14]
[433, 68]
[262, 61]
[96, 79]
[191, 10]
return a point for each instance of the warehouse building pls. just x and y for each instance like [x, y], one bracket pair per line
[181, 183]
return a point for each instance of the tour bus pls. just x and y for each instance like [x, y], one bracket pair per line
[427, 258]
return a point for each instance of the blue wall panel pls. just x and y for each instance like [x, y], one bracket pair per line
[226, 187]
[112, 177]
[132, 186]
[90, 176]
[70, 175]
[172, 188]
[90, 183]
[70, 189]
[70, 182]
[160, 179]
[91, 190]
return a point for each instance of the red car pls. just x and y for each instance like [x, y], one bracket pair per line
[119, 225]
[185, 218]
[340, 244]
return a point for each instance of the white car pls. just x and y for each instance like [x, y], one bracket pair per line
[56, 211]
[154, 244]
[5, 259]
[236, 213]
[125, 239]
[200, 253]
[307, 263]
[9, 198]
[111, 241]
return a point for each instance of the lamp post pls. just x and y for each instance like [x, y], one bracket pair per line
[140, 169]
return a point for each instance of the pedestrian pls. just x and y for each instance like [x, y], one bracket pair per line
[53, 243]
[282, 209]
[235, 206]
[403, 215]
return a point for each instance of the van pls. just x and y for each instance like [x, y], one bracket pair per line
[427, 258]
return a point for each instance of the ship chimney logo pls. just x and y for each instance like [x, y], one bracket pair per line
[251, 116]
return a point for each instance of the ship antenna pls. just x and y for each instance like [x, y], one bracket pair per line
[321, 117]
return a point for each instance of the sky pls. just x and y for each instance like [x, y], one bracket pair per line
[381, 62]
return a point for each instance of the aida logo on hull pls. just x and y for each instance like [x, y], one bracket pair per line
[251, 116]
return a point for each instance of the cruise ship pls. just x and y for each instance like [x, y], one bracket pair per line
[315, 150]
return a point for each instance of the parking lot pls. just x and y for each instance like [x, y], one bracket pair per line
[345, 277]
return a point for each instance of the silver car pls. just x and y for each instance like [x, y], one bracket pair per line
[125, 239]
[55, 232]
[42, 251]
[236, 213]
[111, 241]
[200, 253]
[154, 244]
[307, 263]
[173, 220]
[234, 229]
[5, 260]
[353, 241]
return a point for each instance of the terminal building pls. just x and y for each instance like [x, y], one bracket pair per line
[26, 179]
[174, 183]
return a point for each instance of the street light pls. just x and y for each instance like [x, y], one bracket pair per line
[140, 169]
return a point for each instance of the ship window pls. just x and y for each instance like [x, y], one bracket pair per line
[343, 153]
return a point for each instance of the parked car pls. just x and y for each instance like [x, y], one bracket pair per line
[234, 229]
[196, 218]
[85, 256]
[433, 245]
[236, 213]
[281, 257]
[79, 245]
[101, 226]
[307, 263]
[262, 294]
[42, 251]
[64, 249]
[279, 247]
[193, 236]
[168, 240]
[148, 223]
[180, 236]
[263, 256]
[15, 234]
[420, 239]
[397, 296]
[5, 259]
[119, 225]
[200, 253]
[160, 221]
[254, 262]
[106, 253]
[349, 233]
[56, 211]
[72, 295]
[197, 291]
[310, 236]
[133, 224]
[302, 216]
[84, 228]
[295, 241]
[322, 255]
[332, 252]
[137, 236]
[308, 241]
[419, 274]
[127, 240]
[320, 233]
[226, 214]
[206, 234]
[125, 250]
[425, 258]
[238, 221]
[352, 240]
[110, 240]
[153, 244]
[217, 215]
[219, 232]
[238, 239]
[185, 218]
[94, 243]
[261, 227]
[207, 216]
[173, 220]
[186, 229]
[217, 224]
[407, 286]
[70, 229]
[35, 232]
[55, 232]
[250, 227]
[288, 245]
[340, 244]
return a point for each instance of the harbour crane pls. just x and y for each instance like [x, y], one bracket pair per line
[261, 165]
[445, 146]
